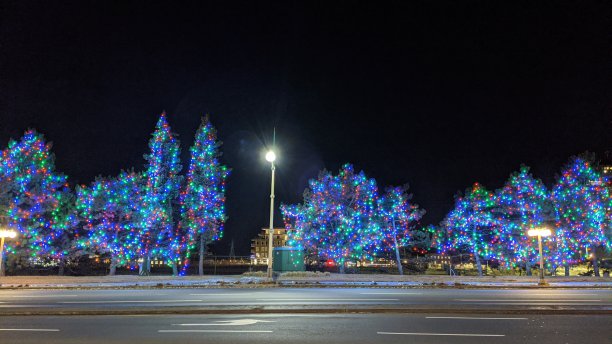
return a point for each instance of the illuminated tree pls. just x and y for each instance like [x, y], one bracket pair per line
[581, 203]
[337, 219]
[471, 226]
[522, 203]
[397, 216]
[158, 236]
[109, 209]
[203, 197]
[37, 201]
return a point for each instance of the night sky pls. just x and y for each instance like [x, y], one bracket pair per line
[437, 94]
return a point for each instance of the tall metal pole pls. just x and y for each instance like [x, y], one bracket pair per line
[271, 230]
[1, 255]
[541, 282]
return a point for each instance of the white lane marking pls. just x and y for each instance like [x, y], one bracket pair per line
[214, 331]
[391, 293]
[29, 296]
[548, 294]
[132, 301]
[222, 294]
[525, 300]
[443, 334]
[235, 322]
[30, 329]
[327, 299]
[476, 318]
[538, 303]
[23, 306]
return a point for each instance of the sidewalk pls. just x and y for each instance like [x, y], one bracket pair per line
[319, 280]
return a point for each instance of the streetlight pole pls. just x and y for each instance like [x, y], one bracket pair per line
[540, 232]
[4, 234]
[541, 260]
[270, 157]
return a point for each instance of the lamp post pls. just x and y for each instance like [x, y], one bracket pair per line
[540, 232]
[270, 157]
[4, 234]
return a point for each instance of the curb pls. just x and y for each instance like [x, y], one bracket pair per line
[540, 310]
[297, 285]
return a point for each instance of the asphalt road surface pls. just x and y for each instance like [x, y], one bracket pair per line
[309, 328]
[65, 301]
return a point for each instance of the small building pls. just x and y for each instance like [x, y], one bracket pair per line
[438, 261]
[606, 170]
[259, 245]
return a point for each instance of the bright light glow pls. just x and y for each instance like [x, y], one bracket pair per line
[539, 231]
[270, 156]
[7, 234]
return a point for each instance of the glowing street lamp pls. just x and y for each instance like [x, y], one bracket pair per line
[540, 232]
[4, 233]
[271, 157]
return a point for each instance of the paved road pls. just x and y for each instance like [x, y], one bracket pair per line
[308, 328]
[271, 299]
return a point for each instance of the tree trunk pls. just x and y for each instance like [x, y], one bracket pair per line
[567, 269]
[201, 259]
[62, 267]
[174, 269]
[478, 265]
[397, 254]
[528, 267]
[595, 265]
[341, 267]
[113, 266]
[144, 269]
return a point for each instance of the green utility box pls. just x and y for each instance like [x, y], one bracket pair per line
[287, 259]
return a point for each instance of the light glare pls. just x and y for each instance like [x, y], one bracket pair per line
[7, 234]
[270, 156]
[539, 231]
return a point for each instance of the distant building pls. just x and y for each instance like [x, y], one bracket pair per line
[606, 170]
[259, 245]
[438, 261]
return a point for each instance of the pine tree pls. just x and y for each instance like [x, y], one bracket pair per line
[337, 219]
[158, 236]
[471, 226]
[37, 201]
[397, 216]
[203, 197]
[522, 204]
[109, 209]
[581, 203]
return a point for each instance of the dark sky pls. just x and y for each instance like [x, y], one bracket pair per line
[437, 94]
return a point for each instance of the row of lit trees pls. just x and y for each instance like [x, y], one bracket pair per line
[132, 217]
[494, 225]
[344, 217]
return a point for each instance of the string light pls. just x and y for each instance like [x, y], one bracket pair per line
[202, 200]
[37, 199]
[157, 236]
[337, 219]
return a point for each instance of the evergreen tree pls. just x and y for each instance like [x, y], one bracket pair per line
[337, 219]
[158, 236]
[471, 226]
[37, 201]
[397, 216]
[522, 204]
[110, 209]
[581, 203]
[203, 197]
